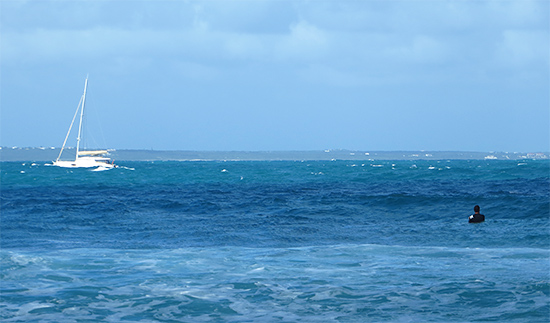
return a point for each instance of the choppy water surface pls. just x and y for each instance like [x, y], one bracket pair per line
[276, 241]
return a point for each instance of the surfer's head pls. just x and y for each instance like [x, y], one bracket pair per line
[476, 208]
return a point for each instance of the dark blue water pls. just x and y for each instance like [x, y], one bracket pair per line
[276, 241]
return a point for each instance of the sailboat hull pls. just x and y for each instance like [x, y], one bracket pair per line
[85, 162]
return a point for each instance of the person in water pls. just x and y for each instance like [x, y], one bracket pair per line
[476, 217]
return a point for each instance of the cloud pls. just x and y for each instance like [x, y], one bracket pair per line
[326, 74]
[304, 42]
[419, 49]
[268, 62]
[521, 48]
[323, 38]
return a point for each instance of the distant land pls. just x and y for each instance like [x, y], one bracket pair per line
[42, 154]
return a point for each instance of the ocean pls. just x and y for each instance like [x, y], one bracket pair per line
[276, 241]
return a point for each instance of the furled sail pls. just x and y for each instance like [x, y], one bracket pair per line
[92, 152]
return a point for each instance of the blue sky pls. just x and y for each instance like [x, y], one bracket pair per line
[279, 75]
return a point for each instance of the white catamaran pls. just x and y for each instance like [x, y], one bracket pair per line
[84, 158]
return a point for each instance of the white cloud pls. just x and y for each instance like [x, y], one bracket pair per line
[346, 38]
[304, 42]
[520, 48]
[264, 55]
[244, 46]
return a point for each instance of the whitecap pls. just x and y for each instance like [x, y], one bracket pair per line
[26, 308]
[101, 169]
[257, 269]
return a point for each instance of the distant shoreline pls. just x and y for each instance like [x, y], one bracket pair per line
[41, 154]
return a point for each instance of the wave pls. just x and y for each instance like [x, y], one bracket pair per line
[317, 283]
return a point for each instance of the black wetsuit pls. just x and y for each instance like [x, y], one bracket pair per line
[476, 218]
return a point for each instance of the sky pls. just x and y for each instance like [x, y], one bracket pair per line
[468, 75]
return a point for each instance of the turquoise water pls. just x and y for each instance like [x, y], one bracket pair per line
[340, 241]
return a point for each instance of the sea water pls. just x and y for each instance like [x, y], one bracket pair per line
[285, 241]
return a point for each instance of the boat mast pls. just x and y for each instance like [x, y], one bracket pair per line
[81, 115]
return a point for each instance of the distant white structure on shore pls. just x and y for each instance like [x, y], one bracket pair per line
[536, 156]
